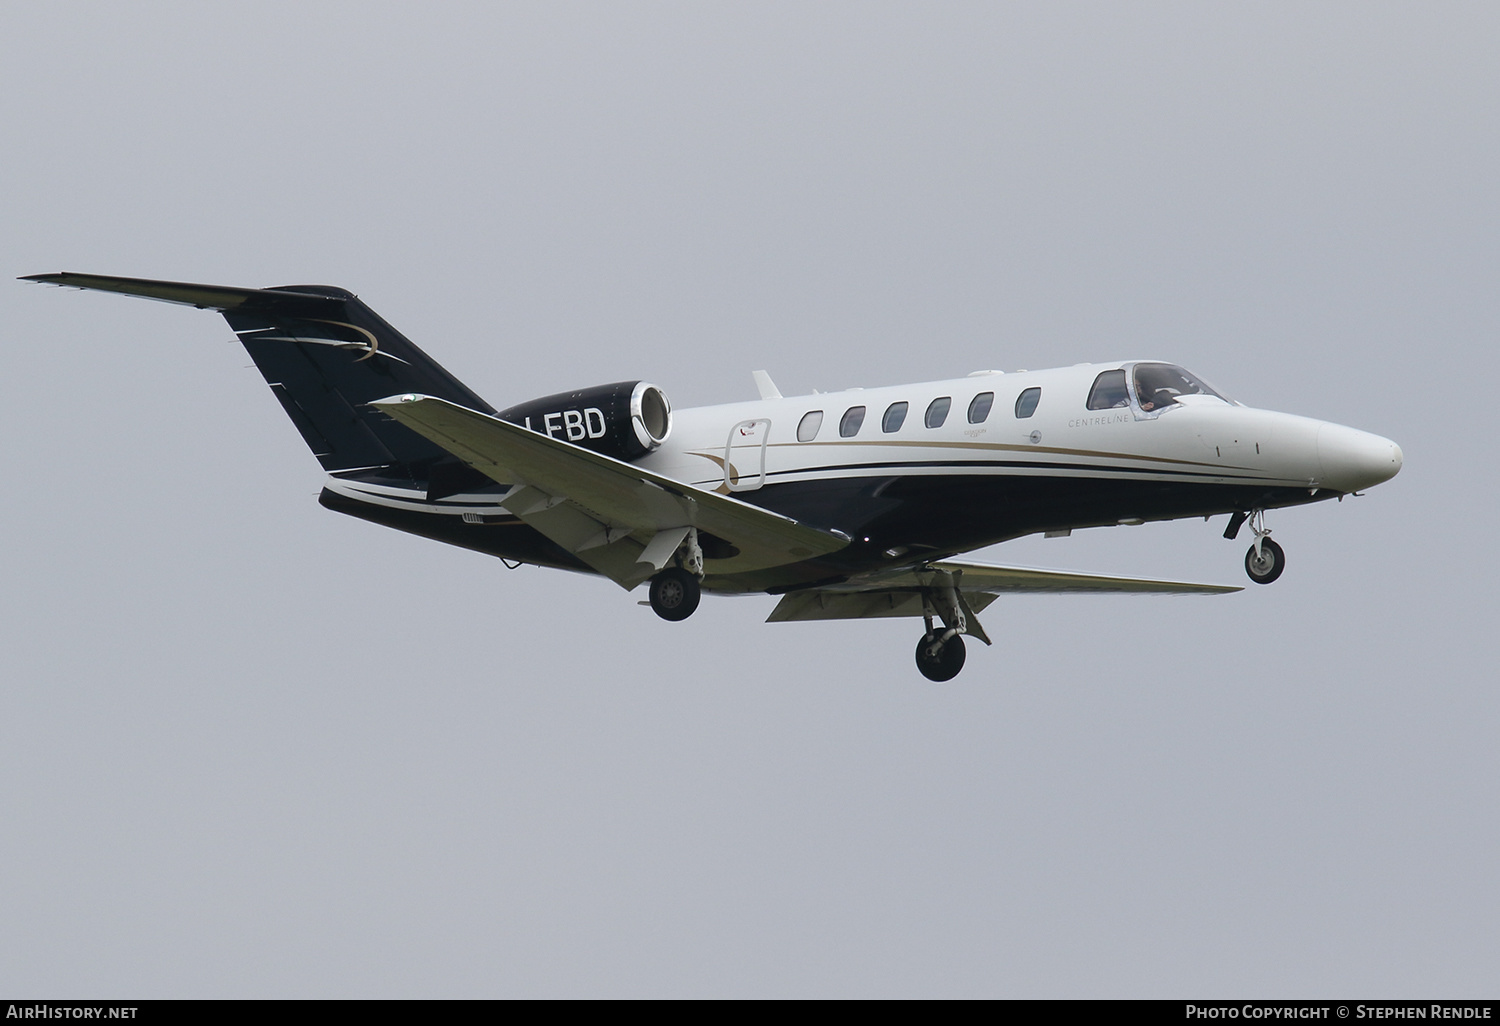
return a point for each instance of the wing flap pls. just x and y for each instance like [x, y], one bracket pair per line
[821, 604]
[900, 593]
[993, 579]
[608, 512]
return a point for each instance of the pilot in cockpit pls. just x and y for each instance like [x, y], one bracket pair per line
[1157, 386]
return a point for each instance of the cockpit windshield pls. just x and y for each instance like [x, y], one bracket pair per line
[1157, 385]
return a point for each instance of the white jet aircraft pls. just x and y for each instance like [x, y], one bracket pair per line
[845, 504]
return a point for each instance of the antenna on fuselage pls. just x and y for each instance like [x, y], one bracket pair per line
[765, 385]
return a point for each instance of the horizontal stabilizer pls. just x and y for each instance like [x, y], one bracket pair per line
[325, 355]
[204, 297]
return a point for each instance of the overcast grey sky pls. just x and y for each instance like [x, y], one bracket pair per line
[249, 747]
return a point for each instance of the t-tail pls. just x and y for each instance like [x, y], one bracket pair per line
[326, 356]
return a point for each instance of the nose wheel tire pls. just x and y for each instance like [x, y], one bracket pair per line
[675, 594]
[1268, 565]
[945, 662]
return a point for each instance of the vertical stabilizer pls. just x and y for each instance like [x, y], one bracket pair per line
[325, 355]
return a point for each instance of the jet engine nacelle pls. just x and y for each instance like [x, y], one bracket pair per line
[625, 420]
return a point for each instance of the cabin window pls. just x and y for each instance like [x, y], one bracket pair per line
[979, 409]
[895, 416]
[1109, 391]
[854, 416]
[937, 412]
[807, 430]
[1026, 402]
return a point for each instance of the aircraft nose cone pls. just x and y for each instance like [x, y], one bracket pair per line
[1352, 459]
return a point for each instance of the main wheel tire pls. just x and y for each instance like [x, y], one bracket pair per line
[1270, 564]
[675, 594]
[945, 664]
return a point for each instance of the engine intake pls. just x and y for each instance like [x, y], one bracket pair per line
[625, 420]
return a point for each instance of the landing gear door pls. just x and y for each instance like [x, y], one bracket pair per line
[745, 455]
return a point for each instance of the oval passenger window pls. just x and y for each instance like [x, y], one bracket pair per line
[853, 418]
[895, 416]
[1026, 402]
[979, 409]
[807, 430]
[938, 411]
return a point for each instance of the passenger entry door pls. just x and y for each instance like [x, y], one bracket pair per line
[745, 455]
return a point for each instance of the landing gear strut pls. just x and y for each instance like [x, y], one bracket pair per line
[675, 593]
[940, 653]
[1265, 560]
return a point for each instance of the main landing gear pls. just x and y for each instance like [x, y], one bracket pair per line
[939, 659]
[676, 591]
[1265, 560]
[940, 653]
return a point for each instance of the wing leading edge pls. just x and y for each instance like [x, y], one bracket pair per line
[620, 519]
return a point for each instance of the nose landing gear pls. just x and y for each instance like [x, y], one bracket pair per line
[1265, 560]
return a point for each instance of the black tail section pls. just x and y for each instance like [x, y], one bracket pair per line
[325, 364]
[326, 355]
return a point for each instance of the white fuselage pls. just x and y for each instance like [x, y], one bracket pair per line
[1199, 438]
[1014, 454]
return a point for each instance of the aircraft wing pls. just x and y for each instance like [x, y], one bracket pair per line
[620, 519]
[900, 593]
